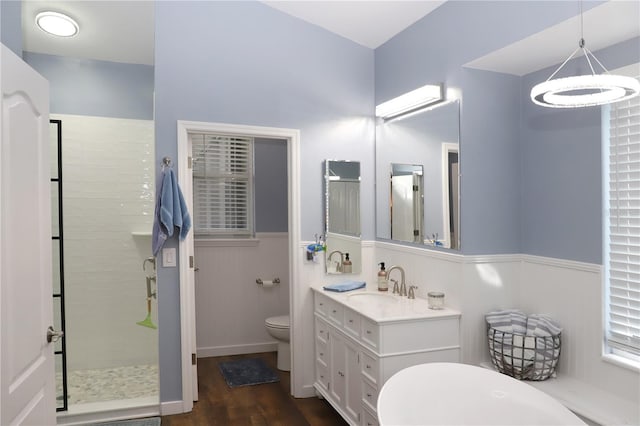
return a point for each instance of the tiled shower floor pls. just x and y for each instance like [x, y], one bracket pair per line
[112, 383]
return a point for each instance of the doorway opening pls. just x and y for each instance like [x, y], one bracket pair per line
[288, 137]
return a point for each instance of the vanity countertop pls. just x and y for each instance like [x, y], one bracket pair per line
[383, 307]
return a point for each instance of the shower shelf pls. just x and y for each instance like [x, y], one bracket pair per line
[141, 234]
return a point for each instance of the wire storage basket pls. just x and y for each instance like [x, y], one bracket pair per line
[524, 357]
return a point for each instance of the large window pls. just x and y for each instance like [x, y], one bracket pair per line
[222, 185]
[622, 229]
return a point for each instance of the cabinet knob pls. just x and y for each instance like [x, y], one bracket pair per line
[321, 353]
[334, 311]
[368, 331]
[340, 373]
[368, 366]
[350, 320]
[321, 304]
[368, 395]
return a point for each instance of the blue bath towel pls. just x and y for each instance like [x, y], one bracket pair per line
[171, 212]
[345, 286]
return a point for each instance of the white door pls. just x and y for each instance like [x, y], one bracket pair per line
[27, 389]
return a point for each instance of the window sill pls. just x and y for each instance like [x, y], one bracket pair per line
[622, 362]
[226, 242]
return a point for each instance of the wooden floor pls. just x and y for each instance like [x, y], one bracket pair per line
[267, 404]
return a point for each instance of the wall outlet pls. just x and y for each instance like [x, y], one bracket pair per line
[169, 257]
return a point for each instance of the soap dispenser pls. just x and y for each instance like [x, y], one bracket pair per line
[347, 266]
[383, 283]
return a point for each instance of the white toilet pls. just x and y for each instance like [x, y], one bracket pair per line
[278, 328]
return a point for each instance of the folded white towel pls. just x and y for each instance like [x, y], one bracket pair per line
[542, 325]
[510, 320]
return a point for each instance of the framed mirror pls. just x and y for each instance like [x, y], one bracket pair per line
[417, 178]
[342, 217]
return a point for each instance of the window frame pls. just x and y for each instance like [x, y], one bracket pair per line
[614, 350]
[203, 233]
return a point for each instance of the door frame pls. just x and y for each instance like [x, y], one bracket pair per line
[187, 288]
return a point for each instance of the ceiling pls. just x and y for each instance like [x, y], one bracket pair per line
[369, 23]
[605, 25]
[123, 31]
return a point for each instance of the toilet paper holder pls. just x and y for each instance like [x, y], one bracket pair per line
[267, 283]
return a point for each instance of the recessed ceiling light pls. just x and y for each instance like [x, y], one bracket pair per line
[57, 24]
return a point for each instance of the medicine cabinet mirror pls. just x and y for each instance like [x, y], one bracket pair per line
[342, 216]
[417, 178]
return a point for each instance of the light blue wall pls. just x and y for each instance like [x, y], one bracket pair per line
[246, 63]
[96, 88]
[435, 50]
[271, 196]
[562, 168]
[11, 25]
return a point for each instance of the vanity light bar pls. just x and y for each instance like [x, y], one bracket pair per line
[410, 101]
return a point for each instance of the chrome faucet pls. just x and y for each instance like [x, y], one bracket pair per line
[412, 294]
[339, 268]
[403, 286]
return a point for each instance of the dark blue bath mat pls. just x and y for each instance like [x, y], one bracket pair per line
[246, 372]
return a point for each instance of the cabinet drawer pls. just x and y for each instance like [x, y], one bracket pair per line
[352, 323]
[370, 334]
[369, 367]
[321, 353]
[335, 312]
[321, 304]
[369, 395]
[322, 375]
[322, 331]
[369, 419]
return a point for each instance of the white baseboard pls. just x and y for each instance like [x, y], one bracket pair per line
[307, 391]
[252, 348]
[99, 412]
[171, 407]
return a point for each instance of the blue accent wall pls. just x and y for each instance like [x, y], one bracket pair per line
[11, 25]
[271, 185]
[561, 155]
[96, 88]
[434, 50]
[247, 63]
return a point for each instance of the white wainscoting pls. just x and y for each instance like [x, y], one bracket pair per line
[571, 292]
[230, 306]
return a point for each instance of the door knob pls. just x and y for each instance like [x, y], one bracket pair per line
[52, 335]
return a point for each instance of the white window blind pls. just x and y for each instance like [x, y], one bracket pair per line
[623, 245]
[222, 185]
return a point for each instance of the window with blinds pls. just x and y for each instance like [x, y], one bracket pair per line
[222, 185]
[622, 261]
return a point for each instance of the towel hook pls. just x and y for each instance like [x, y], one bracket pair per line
[166, 162]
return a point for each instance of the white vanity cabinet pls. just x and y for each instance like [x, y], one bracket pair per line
[357, 350]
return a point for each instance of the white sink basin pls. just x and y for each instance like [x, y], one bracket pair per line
[369, 297]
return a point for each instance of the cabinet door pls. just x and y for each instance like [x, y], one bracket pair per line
[353, 397]
[338, 367]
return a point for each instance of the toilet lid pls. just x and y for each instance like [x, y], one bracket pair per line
[281, 321]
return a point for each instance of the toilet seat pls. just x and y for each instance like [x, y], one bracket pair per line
[280, 322]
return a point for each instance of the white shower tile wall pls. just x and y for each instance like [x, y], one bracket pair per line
[108, 184]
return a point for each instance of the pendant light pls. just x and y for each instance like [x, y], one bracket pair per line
[584, 90]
